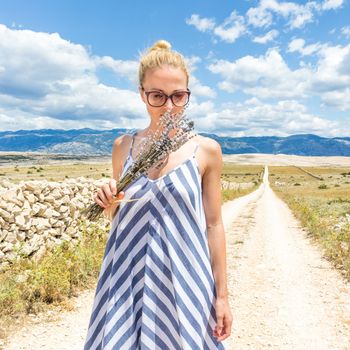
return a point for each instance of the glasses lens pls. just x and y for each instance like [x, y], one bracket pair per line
[156, 99]
[180, 98]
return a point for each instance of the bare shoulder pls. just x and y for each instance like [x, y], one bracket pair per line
[120, 151]
[209, 146]
[209, 155]
[121, 144]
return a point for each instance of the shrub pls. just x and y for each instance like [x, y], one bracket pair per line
[26, 286]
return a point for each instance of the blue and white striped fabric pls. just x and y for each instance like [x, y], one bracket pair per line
[156, 288]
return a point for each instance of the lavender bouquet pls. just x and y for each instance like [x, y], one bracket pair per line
[173, 131]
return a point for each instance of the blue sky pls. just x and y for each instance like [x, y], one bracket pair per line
[258, 68]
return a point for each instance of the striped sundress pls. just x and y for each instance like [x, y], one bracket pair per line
[156, 288]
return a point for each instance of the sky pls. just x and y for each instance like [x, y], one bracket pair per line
[258, 68]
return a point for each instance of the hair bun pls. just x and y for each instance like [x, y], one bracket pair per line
[158, 55]
[161, 45]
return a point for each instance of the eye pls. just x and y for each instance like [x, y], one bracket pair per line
[157, 95]
[178, 96]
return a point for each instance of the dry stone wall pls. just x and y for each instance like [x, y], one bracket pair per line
[229, 185]
[37, 215]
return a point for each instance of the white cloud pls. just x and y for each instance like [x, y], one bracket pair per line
[332, 4]
[47, 81]
[298, 45]
[127, 69]
[49, 78]
[192, 62]
[255, 118]
[12, 119]
[259, 16]
[338, 99]
[36, 64]
[201, 90]
[264, 15]
[266, 76]
[331, 79]
[298, 15]
[196, 87]
[269, 36]
[346, 31]
[201, 24]
[269, 76]
[250, 118]
[231, 29]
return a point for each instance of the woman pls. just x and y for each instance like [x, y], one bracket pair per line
[163, 282]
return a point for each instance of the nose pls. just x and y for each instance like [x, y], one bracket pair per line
[169, 105]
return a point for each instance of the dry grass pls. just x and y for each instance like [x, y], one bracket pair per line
[59, 172]
[240, 174]
[30, 287]
[322, 205]
[55, 172]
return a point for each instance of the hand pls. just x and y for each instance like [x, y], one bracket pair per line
[223, 319]
[107, 194]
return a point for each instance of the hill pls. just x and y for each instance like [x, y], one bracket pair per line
[99, 142]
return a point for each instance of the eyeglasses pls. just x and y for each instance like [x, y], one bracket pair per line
[159, 99]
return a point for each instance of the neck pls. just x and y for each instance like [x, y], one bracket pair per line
[153, 126]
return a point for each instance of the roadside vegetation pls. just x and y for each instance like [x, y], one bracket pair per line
[55, 172]
[28, 287]
[320, 199]
[239, 180]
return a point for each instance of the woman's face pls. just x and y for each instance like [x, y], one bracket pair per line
[165, 79]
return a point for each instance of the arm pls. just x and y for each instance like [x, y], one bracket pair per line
[119, 151]
[211, 184]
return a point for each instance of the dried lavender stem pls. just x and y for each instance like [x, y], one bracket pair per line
[155, 148]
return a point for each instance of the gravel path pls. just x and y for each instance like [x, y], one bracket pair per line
[283, 294]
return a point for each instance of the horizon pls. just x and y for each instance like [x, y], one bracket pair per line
[258, 68]
[204, 132]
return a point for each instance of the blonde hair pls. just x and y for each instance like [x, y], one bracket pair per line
[160, 54]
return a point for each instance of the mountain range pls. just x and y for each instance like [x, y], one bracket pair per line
[99, 142]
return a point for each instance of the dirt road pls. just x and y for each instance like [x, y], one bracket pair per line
[283, 294]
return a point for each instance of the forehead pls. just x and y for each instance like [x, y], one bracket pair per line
[165, 76]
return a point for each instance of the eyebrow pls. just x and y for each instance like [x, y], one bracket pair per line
[160, 90]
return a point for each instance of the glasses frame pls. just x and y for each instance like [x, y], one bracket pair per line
[167, 97]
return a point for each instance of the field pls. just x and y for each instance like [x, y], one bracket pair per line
[318, 195]
[320, 198]
[237, 179]
[16, 167]
[55, 172]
